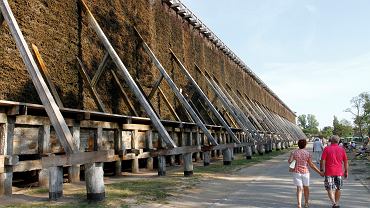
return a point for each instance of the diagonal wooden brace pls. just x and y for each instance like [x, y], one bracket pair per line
[56, 118]
[91, 88]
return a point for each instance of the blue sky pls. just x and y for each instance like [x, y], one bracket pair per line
[314, 54]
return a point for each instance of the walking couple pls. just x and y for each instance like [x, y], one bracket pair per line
[331, 167]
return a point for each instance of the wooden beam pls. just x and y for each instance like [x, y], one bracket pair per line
[122, 70]
[126, 99]
[204, 97]
[63, 133]
[92, 89]
[45, 72]
[155, 87]
[78, 158]
[100, 70]
[176, 151]
[169, 106]
[176, 91]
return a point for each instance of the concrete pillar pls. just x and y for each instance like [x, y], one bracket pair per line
[227, 158]
[55, 182]
[248, 154]
[188, 164]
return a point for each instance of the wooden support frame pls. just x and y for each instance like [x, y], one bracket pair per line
[204, 97]
[155, 87]
[99, 72]
[224, 102]
[46, 74]
[92, 89]
[176, 91]
[122, 70]
[60, 126]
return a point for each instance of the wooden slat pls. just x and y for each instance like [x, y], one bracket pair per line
[122, 70]
[64, 135]
[45, 72]
[169, 106]
[92, 89]
[27, 165]
[176, 91]
[126, 99]
[176, 151]
[155, 87]
[100, 70]
[3, 118]
[205, 98]
[78, 158]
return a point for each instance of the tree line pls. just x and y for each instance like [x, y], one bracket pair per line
[360, 111]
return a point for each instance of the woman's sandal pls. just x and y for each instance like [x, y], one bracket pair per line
[306, 205]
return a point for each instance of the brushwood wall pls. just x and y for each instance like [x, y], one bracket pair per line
[61, 32]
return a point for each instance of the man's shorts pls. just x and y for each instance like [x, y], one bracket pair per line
[333, 182]
[300, 179]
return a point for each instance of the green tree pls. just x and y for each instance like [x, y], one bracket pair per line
[342, 128]
[360, 110]
[327, 131]
[302, 121]
[309, 124]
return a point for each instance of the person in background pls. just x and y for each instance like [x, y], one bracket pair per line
[318, 147]
[332, 161]
[301, 174]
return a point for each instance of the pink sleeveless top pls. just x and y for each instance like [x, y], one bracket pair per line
[301, 156]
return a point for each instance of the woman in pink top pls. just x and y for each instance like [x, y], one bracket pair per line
[301, 174]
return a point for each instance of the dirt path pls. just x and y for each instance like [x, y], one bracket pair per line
[264, 185]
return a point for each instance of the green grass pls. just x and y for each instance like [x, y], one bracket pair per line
[238, 163]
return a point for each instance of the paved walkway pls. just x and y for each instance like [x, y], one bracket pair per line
[268, 184]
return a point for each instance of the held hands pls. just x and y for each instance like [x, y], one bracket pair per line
[322, 173]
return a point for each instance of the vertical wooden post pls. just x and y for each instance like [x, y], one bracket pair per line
[227, 158]
[118, 146]
[74, 170]
[134, 145]
[206, 158]
[161, 165]
[188, 157]
[248, 153]
[266, 147]
[260, 149]
[198, 143]
[44, 149]
[149, 145]
[253, 147]
[55, 182]
[172, 157]
[7, 136]
[182, 143]
[94, 176]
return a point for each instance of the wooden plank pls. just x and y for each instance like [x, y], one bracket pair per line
[92, 89]
[11, 160]
[3, 118]
[78, 158]
[140, 127]
[95, 124]
[64, 135]
[27, 165]
[126, 99]
[155, 87]
[100, 70]
[122, 70]
[44, 139]
[25, 140]
[204, 97]
[177, 150]
[168, 104]
[46, 74]
[176, 91]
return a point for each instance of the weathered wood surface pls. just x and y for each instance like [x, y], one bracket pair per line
[94, 176]
[78, 158]
[122, 70]
[45, 72]
[55, 182]
[46, 98]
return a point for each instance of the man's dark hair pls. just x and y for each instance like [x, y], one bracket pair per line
[302, 143]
